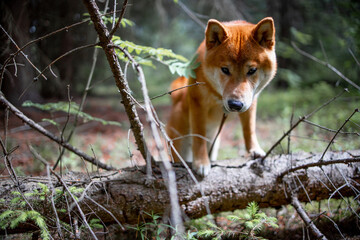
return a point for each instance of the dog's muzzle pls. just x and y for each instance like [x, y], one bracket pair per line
[235, 105]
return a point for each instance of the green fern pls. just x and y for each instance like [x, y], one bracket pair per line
[109, 19]
[144, 55]
[64, 107]
[95, 223]
[12, 219]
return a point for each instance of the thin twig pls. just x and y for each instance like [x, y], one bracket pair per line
[66, 28]
[63, 183]
[119, 20]
[121, 83]
[319, 164]
[330, 130]
[65, 54]
[326, 64]
[48, 134]
[24, 55]
[172, 188]
[337, 132]
[299, 121]
[103, 208]
[87, 88]
[191, 14]
[176, 89]
[353, 55]
[38, 156]
[309, 223]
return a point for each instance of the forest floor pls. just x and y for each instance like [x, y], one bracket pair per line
[111, 144]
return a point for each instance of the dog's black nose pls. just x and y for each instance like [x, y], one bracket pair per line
[235, 105]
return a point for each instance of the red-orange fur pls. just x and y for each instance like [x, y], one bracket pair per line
[228, 56]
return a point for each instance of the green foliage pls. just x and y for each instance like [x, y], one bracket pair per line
[248, 226]
[153, 229]
[109, 19]
[19, 212]
[95, 223]
[245, 225]
[144, 55]
[64, 107]
[12, 219]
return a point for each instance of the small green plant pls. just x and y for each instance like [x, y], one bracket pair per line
[245, 225]
[73, 109]
[19, 211]
[12, 218]
[153, 229]
[254, 220]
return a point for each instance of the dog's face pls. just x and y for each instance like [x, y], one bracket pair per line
[240, 60]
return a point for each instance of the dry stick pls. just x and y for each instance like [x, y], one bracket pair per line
[297, 205]
[121, 83]
[64, 55]
[191, 14]
[299, 121]
[170, 142]
[103, 208]
[172, 188]
[12, 56]
[120, 18]
[17, 47]
[330, 130]
[176, 89]
[87, 88]
[38, 156]
[62, 150]
[318, 164]
[353, 55]
[12, 173]
[51, 136]
[63, 183]
[333, 138]
[218, 133]
[289, 136]
[326, 64]
[53, 62]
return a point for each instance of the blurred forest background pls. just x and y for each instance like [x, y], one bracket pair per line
[334, 24]
[327, 29]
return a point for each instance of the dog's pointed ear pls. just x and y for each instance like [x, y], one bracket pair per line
[264, 33]
[215, 34]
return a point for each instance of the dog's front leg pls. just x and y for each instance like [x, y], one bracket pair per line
[201, 163]
[248, 121]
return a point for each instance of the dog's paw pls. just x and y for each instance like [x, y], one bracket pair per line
[202, 169]
[257, 153]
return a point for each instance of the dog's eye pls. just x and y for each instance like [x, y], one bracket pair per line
[251, 71]
[225, 70]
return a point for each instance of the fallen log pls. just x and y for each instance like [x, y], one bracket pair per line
[126, 194]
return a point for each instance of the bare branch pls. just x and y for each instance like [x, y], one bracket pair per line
[121, 82]
[301, 120]
[25, 56]
[319, 164]
[337, 132]
[46, 133]
[326, 64]
[120, 18]
[296, 204]
[176, 89]
[65, 54]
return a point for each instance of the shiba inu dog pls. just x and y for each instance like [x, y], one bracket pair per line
[237, 60]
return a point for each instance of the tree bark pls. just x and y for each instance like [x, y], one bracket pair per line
[129, 193]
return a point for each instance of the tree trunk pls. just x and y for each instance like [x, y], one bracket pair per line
[128, 193]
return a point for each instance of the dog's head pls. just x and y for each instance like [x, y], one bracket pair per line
[239, 60]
